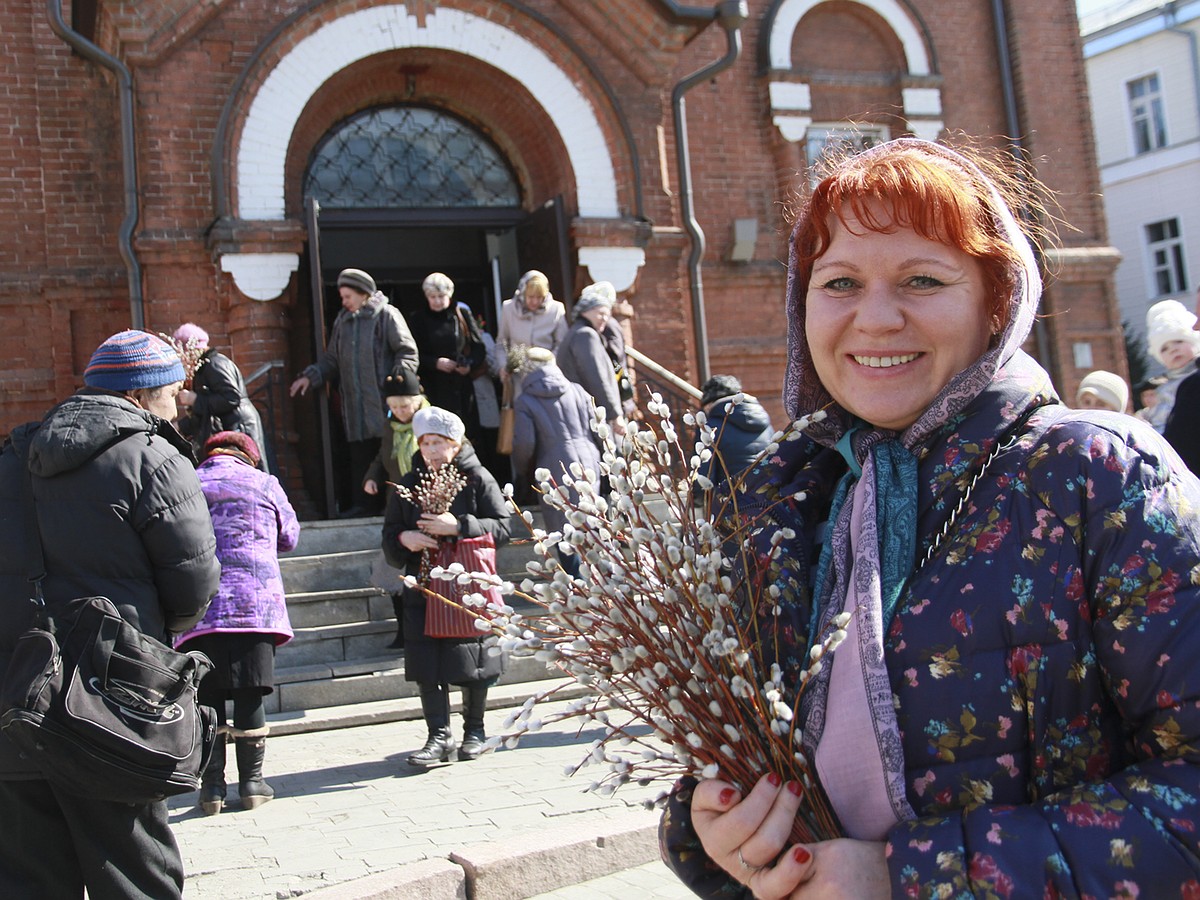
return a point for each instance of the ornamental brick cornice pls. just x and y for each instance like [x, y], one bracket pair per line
[148, 31]
[230, 235]
[1082, 263]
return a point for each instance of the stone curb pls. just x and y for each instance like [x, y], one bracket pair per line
[545, 861]
[431, 879]
[500, 696]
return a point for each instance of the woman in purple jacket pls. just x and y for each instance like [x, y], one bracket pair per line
[1015, 711]
[248, 617]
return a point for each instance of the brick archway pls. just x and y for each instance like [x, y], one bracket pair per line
[277, 105]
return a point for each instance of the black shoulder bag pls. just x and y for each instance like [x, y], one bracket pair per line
[105, 711]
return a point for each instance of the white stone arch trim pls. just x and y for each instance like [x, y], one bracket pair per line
[261, 151]
[790, 12]
[791, 105]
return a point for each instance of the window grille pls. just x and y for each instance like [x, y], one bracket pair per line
[831, 142]
[1146, 114]
[411, 157]
[1165, 247]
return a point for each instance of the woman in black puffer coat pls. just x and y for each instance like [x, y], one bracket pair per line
[435, 663]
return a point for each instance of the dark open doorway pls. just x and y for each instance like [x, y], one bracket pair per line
[484, 255]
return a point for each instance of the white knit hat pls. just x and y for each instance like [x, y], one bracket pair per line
[1109, 388]
[435, 420]
[1170, 320]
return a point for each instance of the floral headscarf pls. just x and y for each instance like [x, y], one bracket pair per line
[802, 389]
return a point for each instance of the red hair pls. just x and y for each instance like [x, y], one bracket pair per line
[937, 199]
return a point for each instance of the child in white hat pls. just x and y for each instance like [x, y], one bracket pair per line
[1102, 390]
[1173, 342]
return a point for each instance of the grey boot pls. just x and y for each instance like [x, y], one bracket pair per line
[251, 749]
[212, 782]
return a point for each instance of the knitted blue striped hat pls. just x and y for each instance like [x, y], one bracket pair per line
[133, 359]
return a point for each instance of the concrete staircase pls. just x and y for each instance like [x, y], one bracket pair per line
[339, 656]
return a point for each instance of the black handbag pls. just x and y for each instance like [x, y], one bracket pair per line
[105, 711]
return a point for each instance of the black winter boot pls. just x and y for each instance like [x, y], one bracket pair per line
[398, 607]
[474, 703]
[437, 749]
[212, 782]
[435, 705]
[251, 749]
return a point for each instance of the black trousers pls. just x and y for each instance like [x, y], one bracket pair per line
[52, 845]
[362, 454]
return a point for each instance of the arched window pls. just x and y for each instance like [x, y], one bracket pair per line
[408, 156]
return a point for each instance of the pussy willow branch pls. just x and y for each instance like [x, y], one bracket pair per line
[665, 629]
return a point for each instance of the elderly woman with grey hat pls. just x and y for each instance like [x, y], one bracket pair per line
[583, 356]
[479, 514]
[369, 341]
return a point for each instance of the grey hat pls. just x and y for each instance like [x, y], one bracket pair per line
[358, 280]
[435, 420]
[717, 387]
[602, 293]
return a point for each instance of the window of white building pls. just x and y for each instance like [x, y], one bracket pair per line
[1146, 114]
[1165, 248]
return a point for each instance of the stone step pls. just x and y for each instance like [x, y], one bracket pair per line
[342, 570]
[371, 679]
[316, 609]
[337, 536]
[339, 643]
[351, 569]
[356, 625]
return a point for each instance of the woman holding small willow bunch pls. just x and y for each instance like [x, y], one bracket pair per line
[1015, 710]
[448, 509]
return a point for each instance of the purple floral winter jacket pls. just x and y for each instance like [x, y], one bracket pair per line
[1045, 665]
[253, 521]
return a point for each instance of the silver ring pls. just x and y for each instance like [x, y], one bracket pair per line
[745, 865]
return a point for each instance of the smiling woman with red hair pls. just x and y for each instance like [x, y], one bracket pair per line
[1014, 710]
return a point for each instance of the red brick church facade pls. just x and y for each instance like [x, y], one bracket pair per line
[159, 159]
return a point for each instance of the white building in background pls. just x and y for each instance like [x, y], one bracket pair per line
[1143, 69]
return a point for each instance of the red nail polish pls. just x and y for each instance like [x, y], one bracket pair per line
[726, 796]
[801, 855]
[775, 780]
[795, 788]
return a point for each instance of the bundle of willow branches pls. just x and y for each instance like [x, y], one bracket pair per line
[433, 493]
[190, 353]
[661, 627]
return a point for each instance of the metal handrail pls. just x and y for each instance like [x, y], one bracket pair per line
[680, 396]
[663, 374]
[269, 371]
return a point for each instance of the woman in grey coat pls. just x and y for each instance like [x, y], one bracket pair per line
[552, 429]
[369, 341]
[583, 357]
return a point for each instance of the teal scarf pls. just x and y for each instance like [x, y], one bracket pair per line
[896, 513]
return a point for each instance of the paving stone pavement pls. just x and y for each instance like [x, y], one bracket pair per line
[348, 806]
